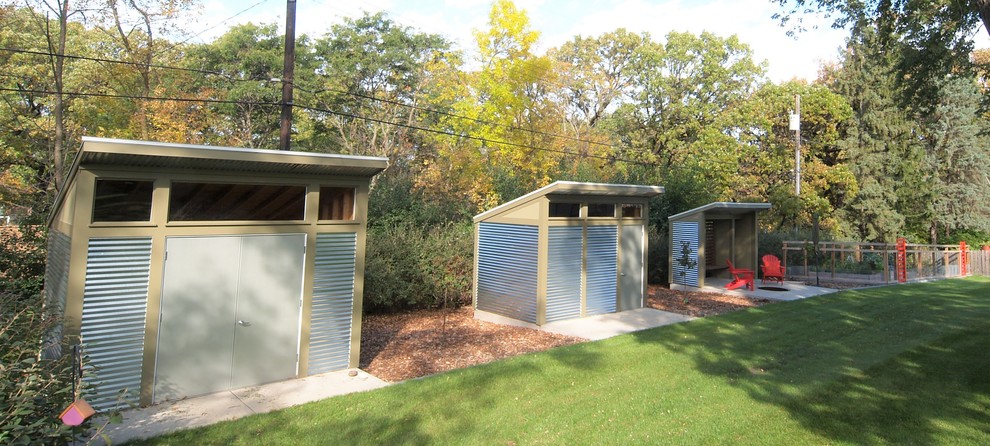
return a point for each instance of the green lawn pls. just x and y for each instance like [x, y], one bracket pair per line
[905, 364]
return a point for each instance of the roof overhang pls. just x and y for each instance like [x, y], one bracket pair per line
[723, 209]
[573, 188]
[157, 156]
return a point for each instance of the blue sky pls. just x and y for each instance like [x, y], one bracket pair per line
[559, 21]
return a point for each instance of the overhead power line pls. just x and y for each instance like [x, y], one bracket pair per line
[122, 62]
[454, 115]
[468, 136]
[216, 25]
[351, 93]
[333, 112]
[146, 98]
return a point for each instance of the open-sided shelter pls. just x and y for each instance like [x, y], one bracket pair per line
[704, 238]
[564, 251]
[185, 269]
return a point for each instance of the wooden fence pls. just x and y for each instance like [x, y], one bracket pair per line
[880, 263]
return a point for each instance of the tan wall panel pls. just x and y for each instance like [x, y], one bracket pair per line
[77, 214]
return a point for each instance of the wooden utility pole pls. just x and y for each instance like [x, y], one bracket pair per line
[288, 70]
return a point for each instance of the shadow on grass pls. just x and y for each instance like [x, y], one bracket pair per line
[491, 400]
[900, 364]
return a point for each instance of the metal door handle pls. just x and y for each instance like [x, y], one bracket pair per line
[244, 323]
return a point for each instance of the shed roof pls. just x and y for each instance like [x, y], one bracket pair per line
[722, 208]
[147, 154]
[156, 155]
[575, 188]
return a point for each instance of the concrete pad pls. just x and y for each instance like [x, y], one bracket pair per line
[795, 290]
[614, 324]
[221, 406]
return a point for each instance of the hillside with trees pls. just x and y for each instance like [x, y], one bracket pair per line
[893, 143]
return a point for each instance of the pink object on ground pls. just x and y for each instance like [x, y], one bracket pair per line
[76, 413]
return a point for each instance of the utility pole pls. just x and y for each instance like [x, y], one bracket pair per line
[288, 69]
[795, 125]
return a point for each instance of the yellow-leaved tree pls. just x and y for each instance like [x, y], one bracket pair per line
[505, 118]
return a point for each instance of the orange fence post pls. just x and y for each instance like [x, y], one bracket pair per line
[963, 259]
[901, 260]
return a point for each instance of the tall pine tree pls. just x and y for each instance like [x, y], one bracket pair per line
[880, 145]
[955, 163]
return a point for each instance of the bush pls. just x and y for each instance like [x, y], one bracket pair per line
[414, 266]
[22, 259]
[395, 200]
[657, 256]
[33, 391]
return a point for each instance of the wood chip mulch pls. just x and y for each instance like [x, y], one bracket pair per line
[397, 347]
[696, 303]
[401, 346]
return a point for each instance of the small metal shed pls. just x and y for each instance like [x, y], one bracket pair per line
[186, 269]
[564, 251]
[702, 239]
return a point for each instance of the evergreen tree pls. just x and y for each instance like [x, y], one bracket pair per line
[880, 143]
[956, 162]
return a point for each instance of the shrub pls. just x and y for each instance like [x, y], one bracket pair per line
[657, 256]
[33, 391]
[413, 266]
[22, 259]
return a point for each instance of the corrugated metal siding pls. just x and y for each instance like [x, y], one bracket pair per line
[564, 273]
[333, 302]
[56, 289]
[113, 321]
[684, 232]
[602, 264]
[507, 269]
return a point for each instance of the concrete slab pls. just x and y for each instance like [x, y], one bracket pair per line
[595, 327]
[614, 324]
[208, 409]
[791, 290]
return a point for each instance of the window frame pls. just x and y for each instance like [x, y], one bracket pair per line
[579, 205]
[227, 221]
[95, 206]
[320, 203]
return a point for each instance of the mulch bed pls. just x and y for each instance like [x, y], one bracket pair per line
[396, 347]
[696, 303]
[401, 346]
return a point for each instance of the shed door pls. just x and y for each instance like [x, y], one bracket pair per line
[564, 273]
[602, 270]
[631, 277]
[230, 313]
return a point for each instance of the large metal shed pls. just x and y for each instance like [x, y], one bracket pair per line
[185, 269]
[564, 251]
[704, 238]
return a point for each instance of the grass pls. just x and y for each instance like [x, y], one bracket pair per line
[902, 364]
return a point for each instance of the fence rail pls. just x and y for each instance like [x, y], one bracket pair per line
[878, 263]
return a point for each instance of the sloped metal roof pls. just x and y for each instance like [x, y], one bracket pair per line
[156, 156]
[573, 188]
[722, 208]
[153, 155]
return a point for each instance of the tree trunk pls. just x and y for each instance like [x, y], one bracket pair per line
[58, 65]
[983, 7]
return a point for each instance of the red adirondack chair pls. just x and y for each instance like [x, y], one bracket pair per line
[740, 277]
[772, 269]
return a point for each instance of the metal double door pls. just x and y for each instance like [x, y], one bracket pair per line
[230, 312]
